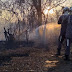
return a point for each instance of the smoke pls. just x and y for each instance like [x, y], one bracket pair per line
[46, 34]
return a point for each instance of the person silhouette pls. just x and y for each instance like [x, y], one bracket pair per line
[63, 20]
[68, 35]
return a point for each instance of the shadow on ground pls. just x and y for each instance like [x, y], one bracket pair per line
[8, 58]
[7, 45]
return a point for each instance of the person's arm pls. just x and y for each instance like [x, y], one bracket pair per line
[60, 20]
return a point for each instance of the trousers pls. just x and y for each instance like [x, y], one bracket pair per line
[60, 41]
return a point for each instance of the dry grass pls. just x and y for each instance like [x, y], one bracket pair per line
[39, 60]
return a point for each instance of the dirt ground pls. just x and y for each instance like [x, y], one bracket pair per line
[30, 59]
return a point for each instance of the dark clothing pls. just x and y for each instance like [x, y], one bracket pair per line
[69, 28]
[60, 41]
[63, 21]
[67, 50]
[68, 35]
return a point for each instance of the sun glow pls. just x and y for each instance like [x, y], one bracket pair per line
[47, 11]
[51, 11]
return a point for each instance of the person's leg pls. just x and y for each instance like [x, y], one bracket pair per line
[67, 50]
[60, 41]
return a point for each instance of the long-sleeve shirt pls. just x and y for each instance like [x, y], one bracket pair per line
[63, 20]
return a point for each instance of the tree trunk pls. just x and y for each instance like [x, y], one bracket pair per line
[39, 17]
[39, 13]
[37, 5]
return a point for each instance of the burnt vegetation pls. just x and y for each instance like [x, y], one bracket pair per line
[18, 52]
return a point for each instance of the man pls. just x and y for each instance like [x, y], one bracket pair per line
[68, 35]
[63, 21]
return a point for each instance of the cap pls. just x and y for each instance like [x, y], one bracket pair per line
[65, 9]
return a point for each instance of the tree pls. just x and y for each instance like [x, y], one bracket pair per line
[37, 5]
[28, 12]
[41, 6]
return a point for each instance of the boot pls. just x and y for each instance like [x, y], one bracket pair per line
[67, 58]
